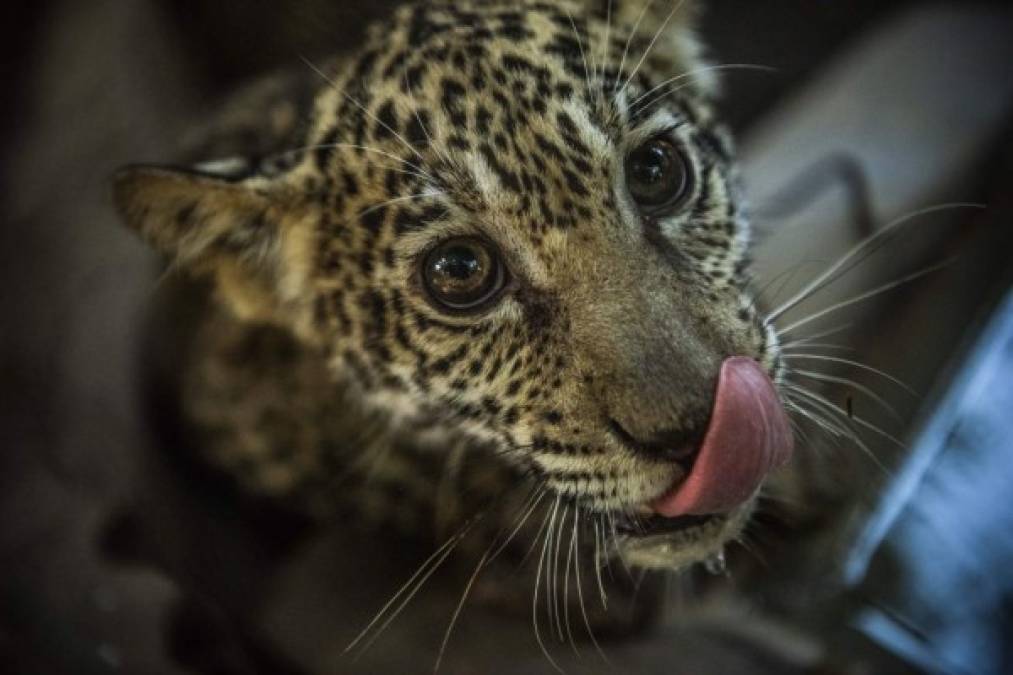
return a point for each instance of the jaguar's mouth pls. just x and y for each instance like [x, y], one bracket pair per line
[747, 438]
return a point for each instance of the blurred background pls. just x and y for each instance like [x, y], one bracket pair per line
[876, 112]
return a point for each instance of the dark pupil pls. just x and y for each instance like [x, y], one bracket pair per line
[457, 264]
[460, 274]
[655, 174]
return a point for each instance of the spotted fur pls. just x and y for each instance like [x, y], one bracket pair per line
[325, 376]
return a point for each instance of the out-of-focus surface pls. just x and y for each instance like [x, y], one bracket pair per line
[95, 85]
[951, 611]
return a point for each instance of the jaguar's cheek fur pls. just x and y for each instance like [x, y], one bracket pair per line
[509, 122]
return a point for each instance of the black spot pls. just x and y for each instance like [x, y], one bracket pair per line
[325, 149]
[483, 120]
[417, 129]
[553, 417]
[373, 218]
[458, 142]
[452, 100]
[386, 121]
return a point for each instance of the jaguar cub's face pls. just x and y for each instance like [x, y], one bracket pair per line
[519, 220]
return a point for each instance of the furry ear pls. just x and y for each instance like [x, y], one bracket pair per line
[194, 217]
[219, 224]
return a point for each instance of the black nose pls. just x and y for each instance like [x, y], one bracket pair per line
[668, 445]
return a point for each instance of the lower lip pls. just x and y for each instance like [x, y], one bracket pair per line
[654, 525]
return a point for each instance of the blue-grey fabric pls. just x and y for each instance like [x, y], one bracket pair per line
[935, 562]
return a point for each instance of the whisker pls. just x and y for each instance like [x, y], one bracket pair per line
[852, 363]
[397, 200]
[808, 339]
[792, 348]
[537, 498]
[615, 544]
[583, 606]
[605, 45]
[460, 605]
[690, 73]
[629, 40]
[418, 171]
[836, 432]
[874, 241]
[351, 99]
[538, 535]
[534, 597]
[555, 573]
[440, 152]
[819, 416]
[570, 560]
[823, 377]
[583, 56]
[825, 405]
[864, 296]
[654, 41]
[549, 577]
[864, 423]
[784, 277]
[425, 570]
[858, 420]
[598, 564]
[794, 406]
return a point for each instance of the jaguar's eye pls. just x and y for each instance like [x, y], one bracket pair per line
[657, 175]
[463, 274]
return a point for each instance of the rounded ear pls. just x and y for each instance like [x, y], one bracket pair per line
[222, 225]
[194, 217]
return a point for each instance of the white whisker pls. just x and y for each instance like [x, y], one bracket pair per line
[351, 99]
[555, 573]
[629, 40]
[588, 84]
[863, 296]
[598, 563]
[397, 200]
[825, 405]
[537, 498]
[654, 41]
[608, 36]
[850, 362]
[583, 607]
[417, 171]
[460, 606]
[874, 241]
[425, 570]
[804, 341]
[823, 377]
[690, 73]
[534, 597]
[571, 550]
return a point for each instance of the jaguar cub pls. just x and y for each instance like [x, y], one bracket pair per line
[484, 279]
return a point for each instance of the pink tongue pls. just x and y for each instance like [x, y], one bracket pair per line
[748, 436]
